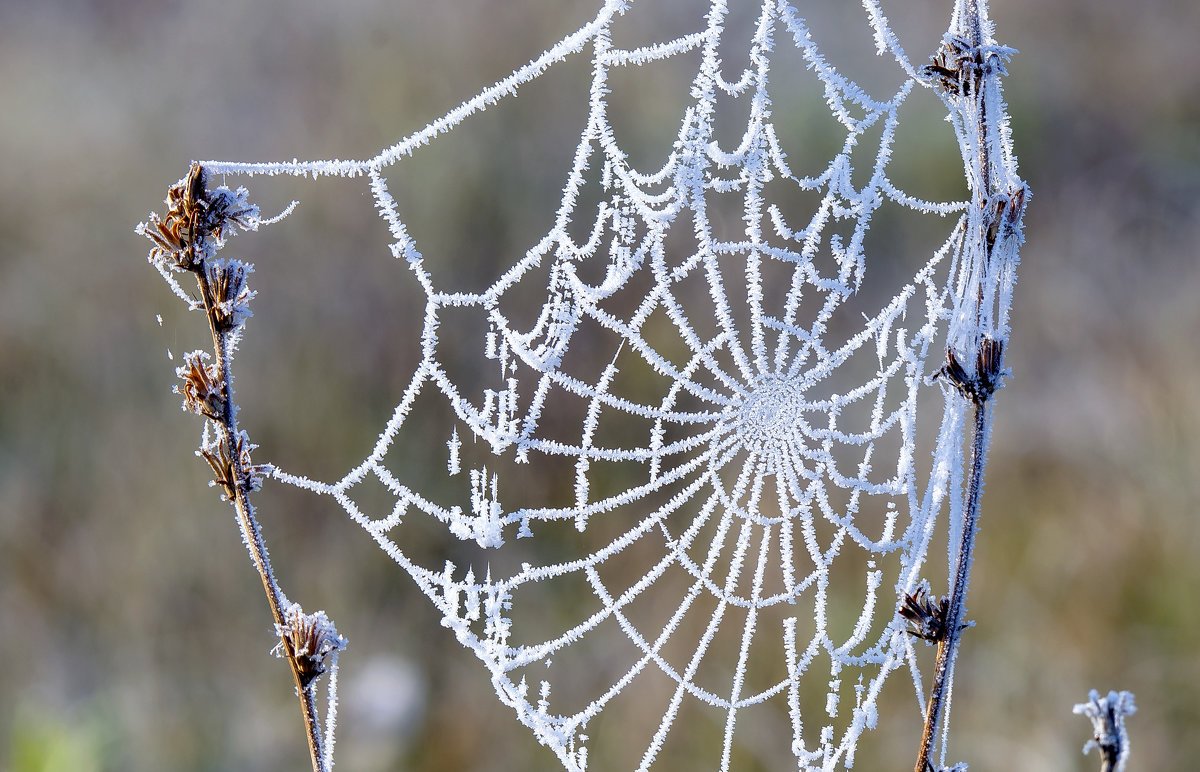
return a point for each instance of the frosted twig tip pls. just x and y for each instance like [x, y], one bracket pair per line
[1108, 724]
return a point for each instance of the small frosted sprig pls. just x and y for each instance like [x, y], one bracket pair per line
[186, 239]
[1108, 726]
[313, 638]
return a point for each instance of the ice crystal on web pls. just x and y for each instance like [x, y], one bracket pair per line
[742, 511]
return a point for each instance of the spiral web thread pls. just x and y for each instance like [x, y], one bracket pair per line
[767, 436]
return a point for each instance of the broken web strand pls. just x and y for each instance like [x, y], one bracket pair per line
[736, 397]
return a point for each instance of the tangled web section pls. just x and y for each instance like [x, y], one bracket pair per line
[736, 504]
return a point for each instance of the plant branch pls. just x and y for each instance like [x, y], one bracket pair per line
[1109, 735]
[954, 624]
[963, 69]
[252, 535]
[186, 240]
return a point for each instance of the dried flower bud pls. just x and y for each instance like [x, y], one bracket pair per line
[202, 390]
[927, 616]
[1016, 207]
[222, 467]
[953, 372]
[197, 221]
[954, 65]
[958, 66]
[194, 185]
[980, 386]
[174, 234]
[988, 360]
[312, 639]
[229, 294]
[243, 447]
[228, 210]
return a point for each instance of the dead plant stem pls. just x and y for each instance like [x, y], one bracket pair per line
[251, 530]
[980, 398]
[948, 646]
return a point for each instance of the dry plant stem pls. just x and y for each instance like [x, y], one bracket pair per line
[948, 645]
[251, 531]
[947, 649]
[186, 239]
[1109, 735]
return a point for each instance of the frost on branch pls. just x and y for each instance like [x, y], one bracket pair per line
[1109, 735]
[186, 240]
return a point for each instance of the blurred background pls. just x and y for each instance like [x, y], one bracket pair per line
[133, 633]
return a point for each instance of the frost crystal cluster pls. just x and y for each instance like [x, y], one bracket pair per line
[744, 504]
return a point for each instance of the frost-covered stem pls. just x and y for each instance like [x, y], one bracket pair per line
[1109, 735]
[252, 531]
[964, 68]
[985, 166]
[948, 646]
[187, 239]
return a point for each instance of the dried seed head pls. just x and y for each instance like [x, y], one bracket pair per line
[197, 221]
[953, 372]
[202, 390]
[988, 361]
[312, 639]
[229, 294]
[194, 185]
[222, 467]
[175, 233]
[1016, 207]
[980, 385]
[927, 616]
[958, 66]
[954, 67]
[227, 210]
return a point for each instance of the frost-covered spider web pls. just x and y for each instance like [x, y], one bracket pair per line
[738, 499]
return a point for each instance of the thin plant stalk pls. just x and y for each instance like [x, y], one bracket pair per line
[186, 240]
[954, 624]
[252, 535]
[1109, 735]
[961, 69]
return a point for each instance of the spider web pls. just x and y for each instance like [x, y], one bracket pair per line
[737, 507]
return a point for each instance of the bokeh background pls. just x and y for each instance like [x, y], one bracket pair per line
[133, 633]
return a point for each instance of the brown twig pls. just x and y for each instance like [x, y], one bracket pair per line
[186, 240]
